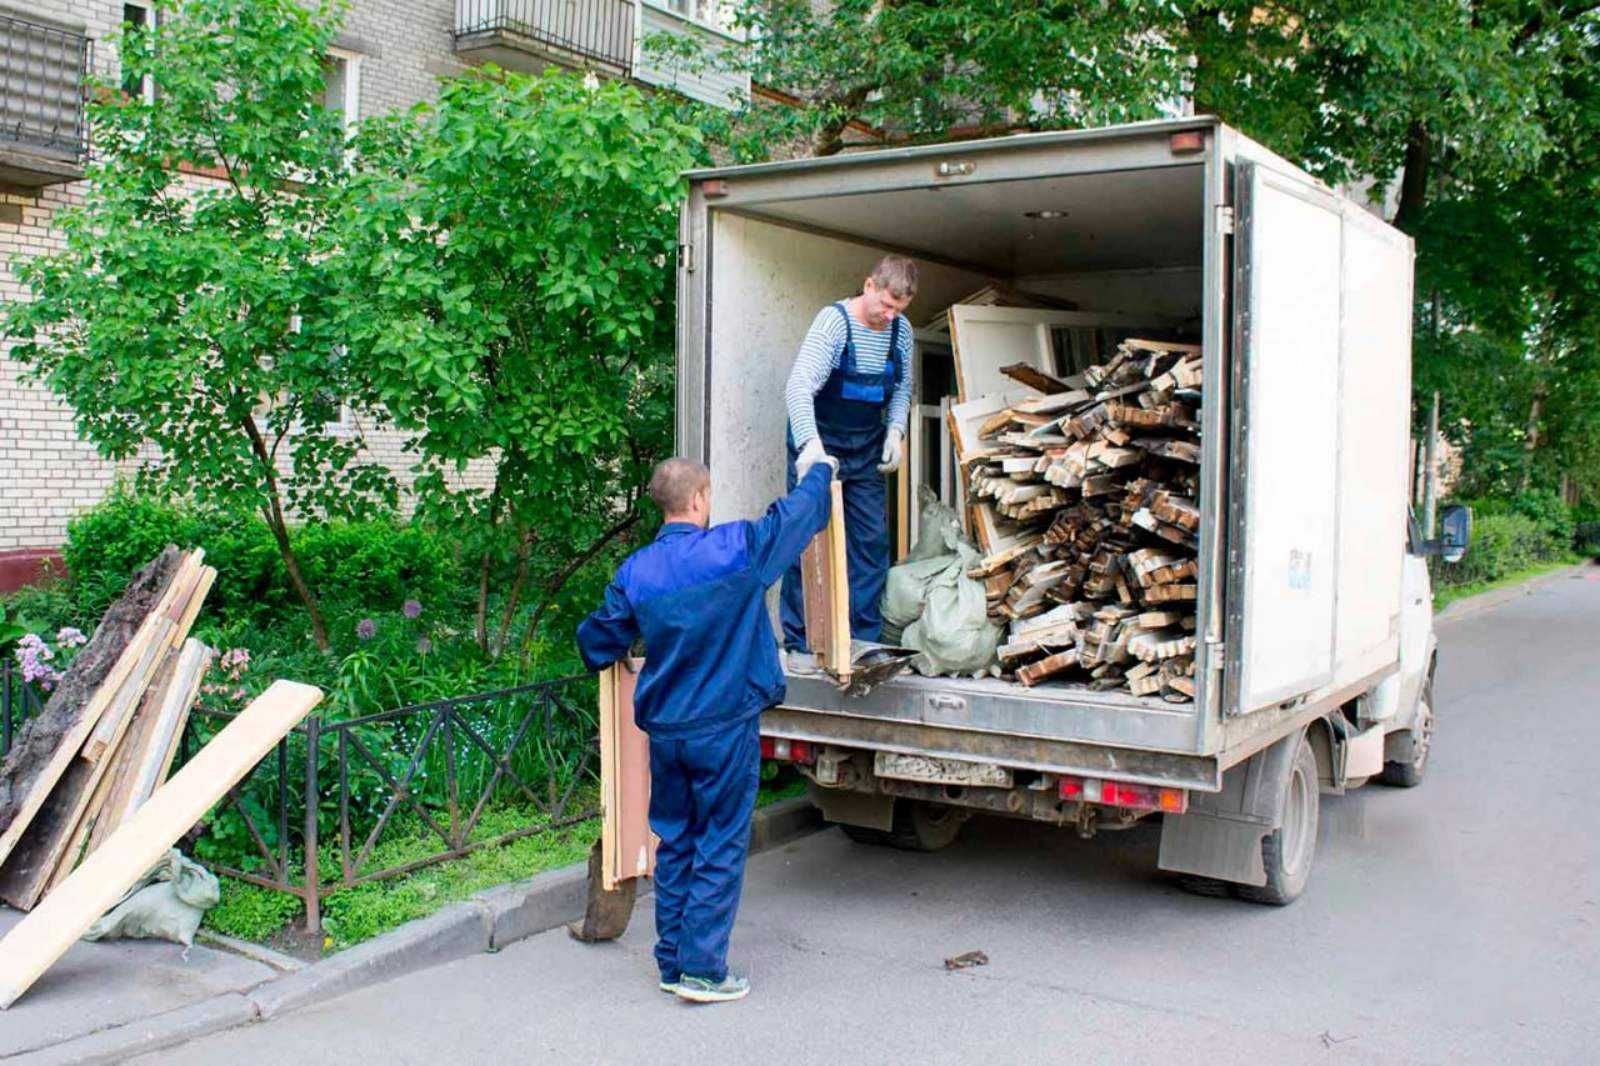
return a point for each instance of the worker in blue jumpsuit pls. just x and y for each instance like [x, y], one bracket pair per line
[697, 594]
[848, 398]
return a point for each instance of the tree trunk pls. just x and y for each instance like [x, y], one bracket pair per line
[514, 597]
[555, 584]
[1531, 439]
[272, 512]
[481, 620]
[1414, 178]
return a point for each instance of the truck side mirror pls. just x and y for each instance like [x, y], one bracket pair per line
[1455, 528]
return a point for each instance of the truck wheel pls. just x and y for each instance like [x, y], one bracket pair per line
[1409, 774]
[1288, 850]
[918, 826]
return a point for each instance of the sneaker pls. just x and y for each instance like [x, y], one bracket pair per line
[670, 984]
[802, 663]
[704, 990]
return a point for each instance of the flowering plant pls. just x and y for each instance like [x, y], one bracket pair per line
[43, 665]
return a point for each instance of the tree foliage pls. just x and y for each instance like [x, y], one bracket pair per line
[192, 307]
[1479, 118]
[505, 256]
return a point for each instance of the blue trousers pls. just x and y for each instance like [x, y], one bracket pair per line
[702, 794]
[866, 535]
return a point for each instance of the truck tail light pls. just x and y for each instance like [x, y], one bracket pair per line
[785, 750]
[1122, 794]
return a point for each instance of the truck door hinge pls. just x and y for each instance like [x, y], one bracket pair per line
[686, 257]
[1216, 656]
[1224, 218]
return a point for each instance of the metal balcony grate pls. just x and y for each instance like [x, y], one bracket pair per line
[600, 30]
[42, 72]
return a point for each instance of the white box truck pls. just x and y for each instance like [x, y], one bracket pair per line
[1314, 619]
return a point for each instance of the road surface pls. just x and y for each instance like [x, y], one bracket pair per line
[1452, 923]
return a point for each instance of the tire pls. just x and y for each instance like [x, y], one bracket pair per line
[1288, 851]
[1409, 774]
[918, 826]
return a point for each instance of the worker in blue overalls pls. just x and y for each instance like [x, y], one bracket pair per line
[848, 398]
[697, 595]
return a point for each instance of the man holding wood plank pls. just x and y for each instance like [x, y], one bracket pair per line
[848, 398]
[697, 596]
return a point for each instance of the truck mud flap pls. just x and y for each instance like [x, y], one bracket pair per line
[1221, 834]
[870, 810]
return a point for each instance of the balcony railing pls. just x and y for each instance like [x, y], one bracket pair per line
[568, 32]
[42, 72]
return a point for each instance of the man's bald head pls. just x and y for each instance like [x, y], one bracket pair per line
[682, 489]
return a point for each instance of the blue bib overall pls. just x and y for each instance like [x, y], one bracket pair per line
[850, 420]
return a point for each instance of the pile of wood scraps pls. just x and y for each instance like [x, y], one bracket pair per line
[1082, 493]
[108, 735]
[85, 805]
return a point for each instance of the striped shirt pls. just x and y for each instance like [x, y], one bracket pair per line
[819, 357]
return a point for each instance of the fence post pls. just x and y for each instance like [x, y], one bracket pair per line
[313, 844]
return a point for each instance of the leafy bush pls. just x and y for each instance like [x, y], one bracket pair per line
[1503, 544]
[372, 565]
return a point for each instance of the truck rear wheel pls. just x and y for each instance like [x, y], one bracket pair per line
[1287, 852]
[918, 826]
[1408, 774]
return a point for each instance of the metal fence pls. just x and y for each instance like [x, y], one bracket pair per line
[593, 29]
[341, 788]
[42, 72]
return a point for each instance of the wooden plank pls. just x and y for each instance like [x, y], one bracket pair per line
[826, 583]
[27, 871]
[628, 847]
[50, 741]
[43, 936]
[984, 339]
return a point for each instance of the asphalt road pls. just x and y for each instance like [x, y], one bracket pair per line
[1452, 923]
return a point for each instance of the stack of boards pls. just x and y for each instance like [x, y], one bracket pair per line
[1081, 492]
[85, 804]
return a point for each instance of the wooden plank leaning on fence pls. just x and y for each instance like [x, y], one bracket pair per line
[44, 935]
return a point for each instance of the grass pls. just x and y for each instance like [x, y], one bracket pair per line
[1445, 595]
[353, 915]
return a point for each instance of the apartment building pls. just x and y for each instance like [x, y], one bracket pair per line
[389, 55]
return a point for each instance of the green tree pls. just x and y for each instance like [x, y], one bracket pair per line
[195, 314]
[505, 253]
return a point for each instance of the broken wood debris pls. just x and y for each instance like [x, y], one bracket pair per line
[1085, 498]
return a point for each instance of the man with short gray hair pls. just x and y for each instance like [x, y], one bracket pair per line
[848, 397]
[697, 596]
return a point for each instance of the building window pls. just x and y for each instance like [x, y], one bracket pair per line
[718, 14]
[137, 19]
[342, 85]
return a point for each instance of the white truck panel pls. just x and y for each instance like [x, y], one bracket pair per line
[1291, 455]
[1374, 421]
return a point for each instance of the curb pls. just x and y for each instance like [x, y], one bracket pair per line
[1495, 597]
[487, 922]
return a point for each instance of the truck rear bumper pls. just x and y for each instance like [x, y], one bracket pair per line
[1021, 751]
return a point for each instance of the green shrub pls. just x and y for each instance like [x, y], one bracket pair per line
[372, 565]
[1503, 544]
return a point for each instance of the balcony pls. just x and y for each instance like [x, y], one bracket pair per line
[702, 77]
[44, 131]
[530, 35]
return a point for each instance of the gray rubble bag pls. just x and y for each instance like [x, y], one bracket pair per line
[906, 590]
[166, 904]
[954, 633]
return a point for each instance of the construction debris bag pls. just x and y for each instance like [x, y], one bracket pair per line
[166, 904]
[906, 590]
[954, 633]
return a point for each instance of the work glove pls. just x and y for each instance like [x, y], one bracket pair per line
[810, 455]
[894, 446]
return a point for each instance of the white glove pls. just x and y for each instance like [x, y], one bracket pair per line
[810, 455]
[894, 446]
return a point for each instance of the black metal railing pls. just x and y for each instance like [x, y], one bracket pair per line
[19, 701]
[435, 767]
[42, 79]
[600, 30]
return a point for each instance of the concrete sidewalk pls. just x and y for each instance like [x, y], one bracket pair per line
[107, 1002]
[102, 986]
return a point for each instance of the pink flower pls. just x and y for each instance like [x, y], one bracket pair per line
[366, 629]
[70, 637]
[411, 609]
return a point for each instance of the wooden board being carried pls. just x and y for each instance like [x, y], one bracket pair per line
[46, 933]
[826, 582]
[628, 847]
